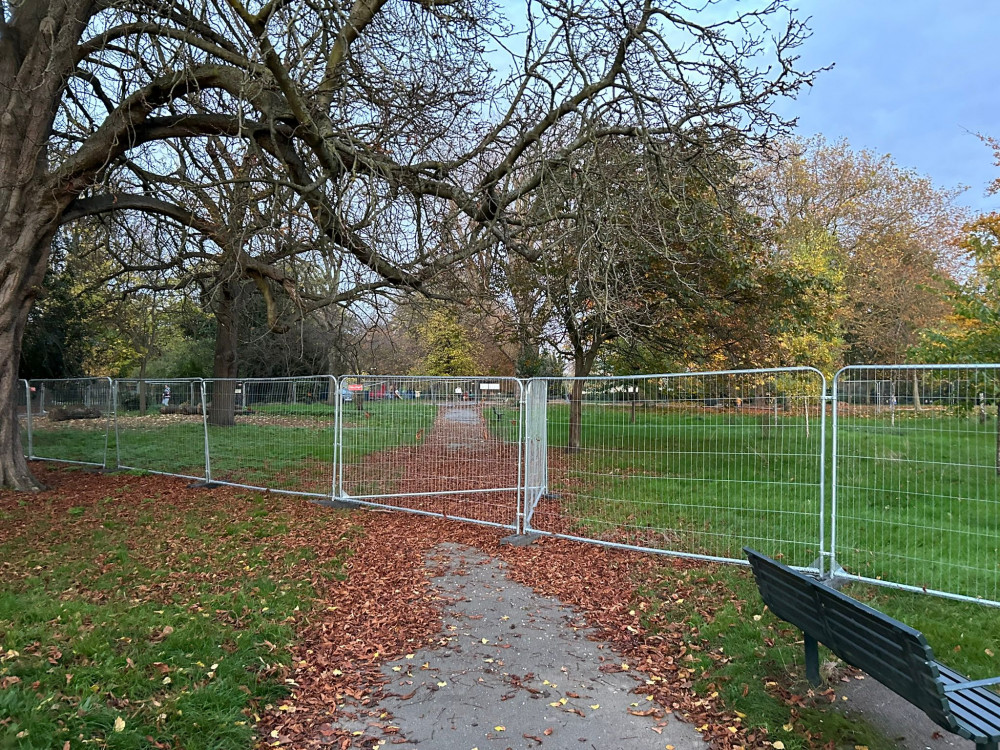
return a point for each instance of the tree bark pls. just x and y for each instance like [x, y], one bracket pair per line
[582, 365]
[23, 258]
[222, 407]
[37, 45]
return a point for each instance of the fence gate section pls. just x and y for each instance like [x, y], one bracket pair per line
[695, 465]
[449, 447]
[916, 478]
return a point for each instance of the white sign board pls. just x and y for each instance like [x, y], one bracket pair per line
[489, 386]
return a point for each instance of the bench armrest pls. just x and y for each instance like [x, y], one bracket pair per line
[973, 684]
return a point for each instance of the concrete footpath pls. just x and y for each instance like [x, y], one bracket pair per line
[512, 669]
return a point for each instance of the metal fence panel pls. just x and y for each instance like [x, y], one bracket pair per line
[159, 426]
[73, 420]
[916, 479]
[448, 447]
[273, 433]
[692, 464]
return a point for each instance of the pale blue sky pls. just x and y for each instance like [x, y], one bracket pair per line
[913, 78]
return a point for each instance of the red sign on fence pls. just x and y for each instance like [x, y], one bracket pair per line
[355, 387]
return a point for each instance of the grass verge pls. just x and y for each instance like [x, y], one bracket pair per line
[135, 617]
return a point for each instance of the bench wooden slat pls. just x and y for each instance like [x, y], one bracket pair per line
[890, 651]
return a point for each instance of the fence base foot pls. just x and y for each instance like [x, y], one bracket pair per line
[203, 485]
[520, 540]
[336, 503]
[836, 579]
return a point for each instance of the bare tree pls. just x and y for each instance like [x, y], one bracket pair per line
[385, 116]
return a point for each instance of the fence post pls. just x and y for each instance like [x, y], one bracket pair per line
[118, 442]
[27, 412]
[823, 553]
[204, 422]
[833, 474]
[107, 420]
[334, 395]
[521, 499]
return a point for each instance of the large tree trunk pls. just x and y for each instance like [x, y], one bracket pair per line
[24, 251]
[582, 365]
[37, 53]
[222, 408]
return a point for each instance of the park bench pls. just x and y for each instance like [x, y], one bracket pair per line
[893, 653]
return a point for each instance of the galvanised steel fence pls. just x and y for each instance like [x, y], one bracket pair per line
[916, 478]
[697, 465]
[449, 447]
[272, 433]
[72, 422]
[690, 464]
[159, 426]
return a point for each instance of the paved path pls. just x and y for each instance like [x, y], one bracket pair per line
[512, 669]
[894, 717]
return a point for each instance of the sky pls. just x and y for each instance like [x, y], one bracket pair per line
[916, 79]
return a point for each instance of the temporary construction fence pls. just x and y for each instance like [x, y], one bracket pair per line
[441, 446]
[78, 416]
[916, 478]
[690, 464]
[694, 464]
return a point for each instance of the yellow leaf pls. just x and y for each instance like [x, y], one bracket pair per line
[119, 724]
[336, 673]
[779, 745]
[442, 683]
[787, 727]
[624, 666]
[596, 706]
[500, 729]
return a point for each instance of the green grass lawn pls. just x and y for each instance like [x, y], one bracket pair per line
[140, 618]
[708, 482]
[295, 452]
[918, 498]
[918, 501]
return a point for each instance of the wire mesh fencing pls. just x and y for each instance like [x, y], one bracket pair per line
[916, 478]
[160, 426]
[73, 420]
[272, 433]
[447, 447]
[691, 464]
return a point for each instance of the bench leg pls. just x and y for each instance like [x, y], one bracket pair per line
[812, 663]
[987, 746]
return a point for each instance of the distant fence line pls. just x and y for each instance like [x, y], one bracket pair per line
[901, 491]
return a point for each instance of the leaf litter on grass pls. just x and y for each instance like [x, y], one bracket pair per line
[346, 591]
